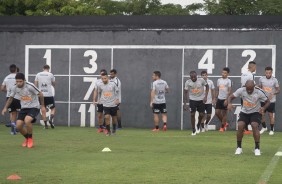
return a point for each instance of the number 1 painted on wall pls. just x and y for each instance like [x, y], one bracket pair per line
[47, 56]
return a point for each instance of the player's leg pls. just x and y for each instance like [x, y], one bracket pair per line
[163, 111]
[13, 119]
[208, 108]
[256, 120]
[224, 118]
[114, 119]
[263, 124]
[218, 111]
[107, 118]
[43, 113]
[29, 119]
[201, 110]
[20, 125]
[119, 118]
[193, 109]
[240, 134]
[52, 106]
[271, 115]
[156, 112]
[100, 117]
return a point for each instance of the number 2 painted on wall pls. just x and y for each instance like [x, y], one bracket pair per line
[252, 55]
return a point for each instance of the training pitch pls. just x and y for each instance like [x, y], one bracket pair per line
[74, 155]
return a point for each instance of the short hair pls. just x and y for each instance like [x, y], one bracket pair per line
[13, 68]
[252, 62]
[18, 69]
[104, 74]
[157, 73]
[113, 71]
[46, 67]
[204, 72]
[268, 68]
[193, 72]
[103, 71]
[226, 69]
[20, 76]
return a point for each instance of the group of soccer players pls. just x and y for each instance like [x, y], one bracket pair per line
[201, 93]
[25, 99]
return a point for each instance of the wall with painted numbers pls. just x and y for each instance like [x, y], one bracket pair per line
[76, 57]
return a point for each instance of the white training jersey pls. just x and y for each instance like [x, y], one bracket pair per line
[223, 85]
[211, 86]
[247, 76]
[269, 86]
[45, 80]
[109, 94]
[10, 82]
[118, 84]
[159, 86]
[196, 89]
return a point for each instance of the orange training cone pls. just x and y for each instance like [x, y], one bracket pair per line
[14, 177]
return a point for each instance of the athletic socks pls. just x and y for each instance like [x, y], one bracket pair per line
[101, 126]
[164, 124]
[271, 127]
[45, 123]
[26, 136]
[114, 127]
[194, 130]
[108, 128]
[263, 124]
[222, 126]
[29, 136]
[51, 118]
[119, 123]
[198, 125]
[239, 144]
[256, 145]
[157, 126]
[203, 125]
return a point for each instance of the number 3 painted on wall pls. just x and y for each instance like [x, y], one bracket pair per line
[92, 61]
[252, 55]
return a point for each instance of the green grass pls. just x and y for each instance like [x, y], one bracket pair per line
[73, 155]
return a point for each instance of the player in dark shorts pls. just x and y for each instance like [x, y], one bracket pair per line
[198, 90]
[113, 76]
[44, 81]
[28, 94]
[251, 113]
[8, 83]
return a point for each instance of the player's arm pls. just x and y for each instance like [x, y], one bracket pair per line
[229, 101]
[8, 103]
[206, 92]
[36, 83]
[277, 90]
[153, 94]
[116, 95]
[216, 92]
[213, 95]
[186, 98]
[53, 81]
[266, 104]
[3, 88]
[95, 94]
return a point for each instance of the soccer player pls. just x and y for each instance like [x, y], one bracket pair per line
[113, 76]
[96, 97]
[28, 94]
[210, 100]
[223, 90]
[7, 85]
[251, 112]
[195, 89]
[249, 75]
[109, 98]
[44, 81]
[158, 102]
[271, 87]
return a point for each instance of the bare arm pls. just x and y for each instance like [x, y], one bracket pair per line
[230, 98]
[153, 94]
[36, 83]
[53, 83]
[267, 103]
[95, 94]
[8, 103]
[167, 90]
[277, 90]
[213, 95]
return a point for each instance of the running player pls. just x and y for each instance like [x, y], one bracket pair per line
[7, 85]
[113, 75]
[109, 98]
[195, 89]
[251, 112]
[271, 87]
[210, 100]
[97, 96]
[28, 94]
[223, 90]
[158, 102]
[44, 81]
[249, 75]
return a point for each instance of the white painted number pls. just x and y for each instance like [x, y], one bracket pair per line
[91, 88]
[82, 111]
[207, 62]
[252, 55]
[92, 61]
[47, 56]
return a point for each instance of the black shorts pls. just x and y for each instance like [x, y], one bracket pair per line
[100, 108]
[110, 110]
[49, 102]
[32, 112]
[249, 118]
[220, 104]
[197, 106]
[159, 108]
[15, 105]
[208, 108]
[270, 108]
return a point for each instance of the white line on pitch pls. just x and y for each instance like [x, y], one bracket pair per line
[269, 169]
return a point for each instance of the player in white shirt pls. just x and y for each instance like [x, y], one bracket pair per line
[158, 101]
[223, 91]
[271, 87]
[7, 85]
[44, 81]
[249, 75]
[210, 101]
[114, 79]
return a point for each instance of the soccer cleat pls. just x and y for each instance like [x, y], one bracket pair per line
[100, 130]
[164, 128]
[238, 151]
[225, 126]
[13, 129]
[24, 144]
[29, 143]
[52, 124]
[221, 129]
[271, 132]
[198, 131]
[257, 152]
[194, 133]
[203, 130]
[247, 132]
[155, 130]
[263, 130]
[206, 128]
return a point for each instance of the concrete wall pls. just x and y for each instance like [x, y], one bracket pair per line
[135, 53]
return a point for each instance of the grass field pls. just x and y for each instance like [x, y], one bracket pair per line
[73, 155]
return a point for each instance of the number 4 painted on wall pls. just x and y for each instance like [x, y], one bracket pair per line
[207, 62]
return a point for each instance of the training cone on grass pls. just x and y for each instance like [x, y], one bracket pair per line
[106, 150]
[14, 177]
